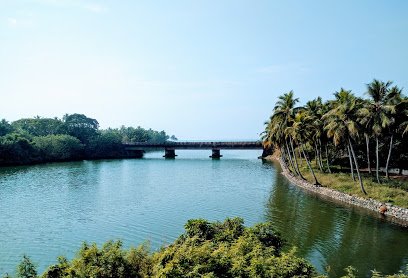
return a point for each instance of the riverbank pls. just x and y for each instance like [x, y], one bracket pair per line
[389, 212]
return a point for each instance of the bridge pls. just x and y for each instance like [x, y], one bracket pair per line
[170, 147]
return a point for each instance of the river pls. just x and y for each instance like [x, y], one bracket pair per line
[49, 210]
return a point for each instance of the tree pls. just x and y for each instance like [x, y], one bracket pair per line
[5, 127]
[81, 127]
[40, 126]
[376, 115]
[26, 268]
[58, 147]
[302, 131]
[341, 124]
[282, 119]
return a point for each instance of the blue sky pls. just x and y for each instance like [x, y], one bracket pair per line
[196, 69]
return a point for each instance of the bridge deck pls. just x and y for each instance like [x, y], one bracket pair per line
[246, 145]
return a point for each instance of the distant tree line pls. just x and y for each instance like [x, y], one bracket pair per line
[346, 131]
[74, 137]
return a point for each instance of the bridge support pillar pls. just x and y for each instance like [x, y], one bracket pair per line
[216, 154]
[169, 153]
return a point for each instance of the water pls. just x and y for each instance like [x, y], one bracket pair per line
[49, 210]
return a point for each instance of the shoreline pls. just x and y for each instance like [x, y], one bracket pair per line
[394, 214]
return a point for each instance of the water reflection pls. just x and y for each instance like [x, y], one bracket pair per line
[333, 236]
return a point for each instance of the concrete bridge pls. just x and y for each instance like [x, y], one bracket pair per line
[170, 147]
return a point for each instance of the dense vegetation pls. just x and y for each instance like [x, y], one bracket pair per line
[73, 137]
[206, 249]
[349, 132]
[219, 249]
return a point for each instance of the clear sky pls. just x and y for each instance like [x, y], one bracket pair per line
[196, 69]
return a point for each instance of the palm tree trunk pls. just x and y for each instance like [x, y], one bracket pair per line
[351, 163]
[320, 155]
[388, 158]
[296, 163]
[310, 167]
[377, 166]
[368, 153]
[300, 157]
[327, 159]
[283, 155]
[290, 159]
[285, 159]
[358, 171]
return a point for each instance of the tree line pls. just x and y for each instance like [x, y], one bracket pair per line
[74, 137]
[347, 131]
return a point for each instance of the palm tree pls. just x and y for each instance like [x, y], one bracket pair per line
[283, 115]
[376, 114]
[301, 131]
[341, 124]
[314, 110]
[395, 100]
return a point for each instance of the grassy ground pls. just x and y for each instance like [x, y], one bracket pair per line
[392, 191]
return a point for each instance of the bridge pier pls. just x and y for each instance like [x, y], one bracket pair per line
[216, 154]
[169, 153]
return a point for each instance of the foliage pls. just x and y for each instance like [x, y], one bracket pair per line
[206, 249]
[139, 134]
[339, 131]
[40, 126]
[16, 148]
[58, 147]
[76, 136]
[5, 127]
[228, 249]
[108, 144]
[26, 268]
[81, 127]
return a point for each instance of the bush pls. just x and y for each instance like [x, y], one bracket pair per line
[58, 147]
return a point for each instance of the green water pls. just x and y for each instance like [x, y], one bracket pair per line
[48, 210]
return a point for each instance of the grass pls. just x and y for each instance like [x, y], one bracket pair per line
[389, 191]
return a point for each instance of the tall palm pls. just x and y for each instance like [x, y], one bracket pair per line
[315, 110]
[283, 115]
[377, 113]
[395, 100]
[302, 130]
[341, 124]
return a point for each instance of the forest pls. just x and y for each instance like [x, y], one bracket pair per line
[365, 136]
[74, 137]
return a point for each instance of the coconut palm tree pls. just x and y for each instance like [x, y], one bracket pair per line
[394, 100]
[377, 112]
[315, 109]
[301, 131]
[283, 115]
[341, 124]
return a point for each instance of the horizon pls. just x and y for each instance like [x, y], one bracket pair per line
[199, 70]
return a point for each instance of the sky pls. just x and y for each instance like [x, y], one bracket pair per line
[200, 70]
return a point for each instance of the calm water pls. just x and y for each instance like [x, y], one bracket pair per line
[48, 210]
